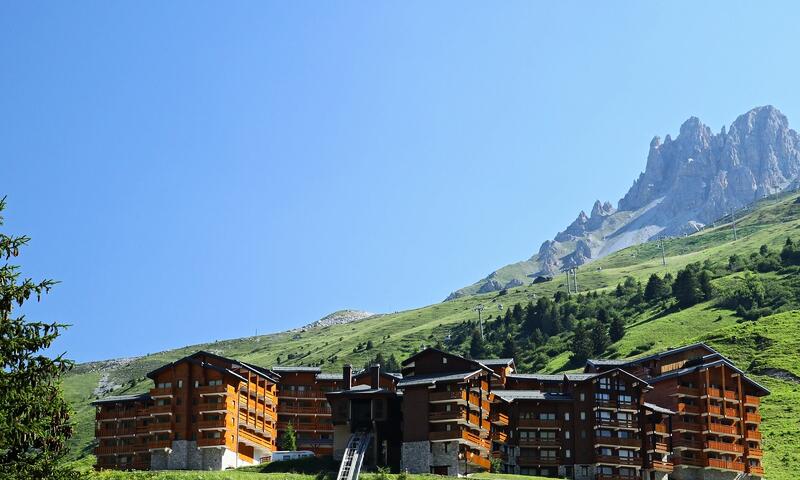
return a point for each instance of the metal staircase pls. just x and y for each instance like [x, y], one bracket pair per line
[354, 456]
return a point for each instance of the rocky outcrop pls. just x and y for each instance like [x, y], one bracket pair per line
[688, 182]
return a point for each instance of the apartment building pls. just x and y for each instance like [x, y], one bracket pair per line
[716, 425]
[685, 414]
[204, 412]
[303, 404]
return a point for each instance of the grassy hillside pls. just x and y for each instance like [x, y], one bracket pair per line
[403, 333]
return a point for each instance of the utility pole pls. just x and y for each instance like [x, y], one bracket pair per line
[575, 277]
[569, 282]
[479, 308]
[663, 258]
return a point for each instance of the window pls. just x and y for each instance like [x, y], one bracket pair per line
[582, 397]
[547, 416]
[196, 383]
[606, 451]
[547, 454]
[164, 385]
[568, 453]
[604, 433]
[605, 383]
[583, 433]
[214, 383]
[566, 434]
[566, 416]
[602, 397]
[625, 399]
[624, 416]
[547, 435]
[444, 360]
[180, 383]
[585, 471]
[583, 415]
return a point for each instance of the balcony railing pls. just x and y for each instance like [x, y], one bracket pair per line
[212, 389]
[686, 408]
[723, 429]
[724, 447]
[459, 435]
[498, 418]
[613, 422]
[161, 392]
[661, 466]
[532, 461]
[316, 410]
[755, 452]
[601, 476]
[311, 394]
[756, 470]
[752, 435]
[539, 442]
[688, 391]
[452, 415]
[537, 423]
[678, 442]
[657, 428]
[500, 437]
[660, 447]
[160, 409]
[115, 432]
[447, 396]
[719, 393]
[211, 424]
[694, 427]
[725, 465]
[751, 400]
[752, 418]
[728, 412]
[159, 444]
[622, 442]
[211, 442]
[613, 459]
[692, 462]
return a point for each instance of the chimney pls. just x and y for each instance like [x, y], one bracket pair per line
[375, 375]
[347, 375]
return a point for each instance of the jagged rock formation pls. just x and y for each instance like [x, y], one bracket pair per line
[687, 183]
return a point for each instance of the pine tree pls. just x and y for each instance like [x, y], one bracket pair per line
[600, 339]
[34, 417]
[477, 349]
[509, 348]
[289, 438]
[617, 329]
[581, 345]
[656, 288]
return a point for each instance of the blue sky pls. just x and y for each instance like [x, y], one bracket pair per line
[193, 171]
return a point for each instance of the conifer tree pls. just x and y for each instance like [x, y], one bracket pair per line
[600, 339]
[289, 438]
[477, 348]
[617, 329]
[34, 417]
[581, 345]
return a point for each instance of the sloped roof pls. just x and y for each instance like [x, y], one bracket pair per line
[121, 398]
[292, 369]
[411, 359]
[330, 376]
[434, 378]
[538, 376]
[514, 395]
[192, 359]
[491, 362]
[721, 361]
[657, 408]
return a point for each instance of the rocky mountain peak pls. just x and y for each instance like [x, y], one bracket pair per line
[687, 182]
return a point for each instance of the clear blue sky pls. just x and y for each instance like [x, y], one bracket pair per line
[194, 171]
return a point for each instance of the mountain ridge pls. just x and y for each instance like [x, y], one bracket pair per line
[688, 183]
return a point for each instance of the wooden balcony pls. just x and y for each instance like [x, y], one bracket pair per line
[115, 432]
[752, 418]
[160, 409]
[689, 462]
[498, 418]
[306, 427]
[297, 410]
[728, 412]
[680, 390]
[450, 416]
[254, 438]
[724, 447]
[753, 435]
[615, 460]
[479, 461]
[211, 442]
[161, 392]
[477, 402]
[688, 409]
[306, 394]
[615, 423]
[619, 442]
[537, 423]
[677, 425]
[436, 397]
[214, 407]
[756, 470]
[719, 393]
[539, 442]
[159, 444]
[477, 422]
[722, 429]
[461, 435]
[217, 424]
[725, 465]
[678, 442]
[212, 390]
[755, 452]
[661, 466]
[500, 437]
[533, 461]
[660, 447]
[752, 400]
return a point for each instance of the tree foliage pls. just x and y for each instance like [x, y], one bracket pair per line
[289, 438]
[34, 417]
